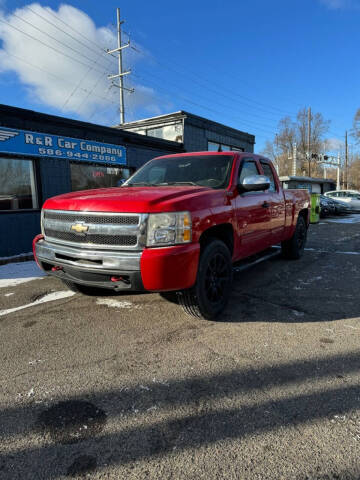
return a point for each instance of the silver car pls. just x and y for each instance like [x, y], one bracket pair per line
[350, 197]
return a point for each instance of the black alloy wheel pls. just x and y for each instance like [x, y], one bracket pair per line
[210, 294]
[293, 248]
[216, 277]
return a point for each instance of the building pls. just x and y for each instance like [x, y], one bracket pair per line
[45, 155]
[196, 133]
[314, 185]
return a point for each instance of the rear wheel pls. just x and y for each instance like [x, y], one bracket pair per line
[293, 248]
[209, 296]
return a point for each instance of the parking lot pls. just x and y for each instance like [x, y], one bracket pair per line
[128, 387]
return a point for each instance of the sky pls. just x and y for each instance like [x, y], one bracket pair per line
[244, 63]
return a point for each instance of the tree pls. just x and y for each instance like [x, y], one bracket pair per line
[356, 127]
[291, 132]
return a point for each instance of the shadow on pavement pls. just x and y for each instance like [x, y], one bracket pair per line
[156, 435]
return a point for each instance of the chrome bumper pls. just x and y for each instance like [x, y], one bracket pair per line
[87, 260]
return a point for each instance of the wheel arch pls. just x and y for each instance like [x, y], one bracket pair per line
[223, 232]
[305, 214]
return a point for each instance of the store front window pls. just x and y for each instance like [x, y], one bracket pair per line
[173, 132]
[17, 184]
[85, 176]
[221, 147]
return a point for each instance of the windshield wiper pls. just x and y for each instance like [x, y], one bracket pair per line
[139, 184]
[181, 183]
[162, 184]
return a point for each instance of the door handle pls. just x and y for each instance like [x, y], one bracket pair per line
[265, 205]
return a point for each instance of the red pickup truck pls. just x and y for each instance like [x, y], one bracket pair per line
[178, 224]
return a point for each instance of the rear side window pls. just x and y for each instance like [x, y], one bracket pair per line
[269, 173]
[248, 168]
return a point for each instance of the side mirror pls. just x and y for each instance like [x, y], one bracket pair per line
[254, 183]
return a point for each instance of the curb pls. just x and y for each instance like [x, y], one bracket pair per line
[23, 257]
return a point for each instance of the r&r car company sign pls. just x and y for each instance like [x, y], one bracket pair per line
[23, 142]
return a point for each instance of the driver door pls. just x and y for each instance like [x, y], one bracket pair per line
[253, 214]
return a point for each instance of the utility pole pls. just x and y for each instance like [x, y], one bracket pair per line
[294, 160]
[120, 75]
[309, 139]
[338, 172]
[346, 162]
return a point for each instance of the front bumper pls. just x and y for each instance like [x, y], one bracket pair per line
[104, 269]
[153, 269]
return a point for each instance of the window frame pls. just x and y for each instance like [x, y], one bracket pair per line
[265, 162]
[94, 164]
[232, 148]
[35, 180]
[241, 166]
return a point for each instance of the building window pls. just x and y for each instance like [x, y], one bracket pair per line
[221, 147]
[17, 184]
[173, 132]
[85, 176]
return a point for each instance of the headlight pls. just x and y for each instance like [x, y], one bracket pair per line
[169, 228]
[42, 221]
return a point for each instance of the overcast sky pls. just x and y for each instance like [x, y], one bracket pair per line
[245, 64]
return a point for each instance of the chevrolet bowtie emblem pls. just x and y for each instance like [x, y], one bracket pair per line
[79, 228]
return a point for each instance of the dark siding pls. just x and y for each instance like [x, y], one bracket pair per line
[55, 177]
[17, 232]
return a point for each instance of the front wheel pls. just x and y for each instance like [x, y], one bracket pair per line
[293, 248]
[210, 294]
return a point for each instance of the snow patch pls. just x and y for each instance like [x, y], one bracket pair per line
[8, 294]
[349, 219]
[13, 274]
[46, 298]
[112, 303]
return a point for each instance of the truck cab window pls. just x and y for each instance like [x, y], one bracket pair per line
[269, 173]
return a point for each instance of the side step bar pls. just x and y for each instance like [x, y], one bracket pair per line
[255, 259]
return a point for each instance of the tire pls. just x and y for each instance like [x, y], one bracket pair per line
[210, 294]
[293, 248]
[84, 289]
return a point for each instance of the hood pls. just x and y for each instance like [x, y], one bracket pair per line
[131, 199]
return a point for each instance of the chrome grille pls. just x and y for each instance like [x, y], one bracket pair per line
[100, 230]
[125, 240]
[100, 219]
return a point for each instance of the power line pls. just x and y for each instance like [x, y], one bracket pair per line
[60, 78]
[53, 38]
[69, 34]
[46, 44]
[196, 76]
[212, 101]
[203, 106]
[50, 12]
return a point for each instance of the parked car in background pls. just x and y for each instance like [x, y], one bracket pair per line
[341, 208]
[350, 197]
[327, 206]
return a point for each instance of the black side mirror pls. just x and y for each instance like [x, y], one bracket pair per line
[254, 183]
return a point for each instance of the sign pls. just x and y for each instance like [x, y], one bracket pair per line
[23, 142]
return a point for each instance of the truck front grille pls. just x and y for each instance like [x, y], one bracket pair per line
[124, 240]
[100, 219]
[95, 230]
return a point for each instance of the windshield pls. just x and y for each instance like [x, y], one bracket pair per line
[203, 170]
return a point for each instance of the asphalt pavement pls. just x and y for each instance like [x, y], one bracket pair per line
[128, 387]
